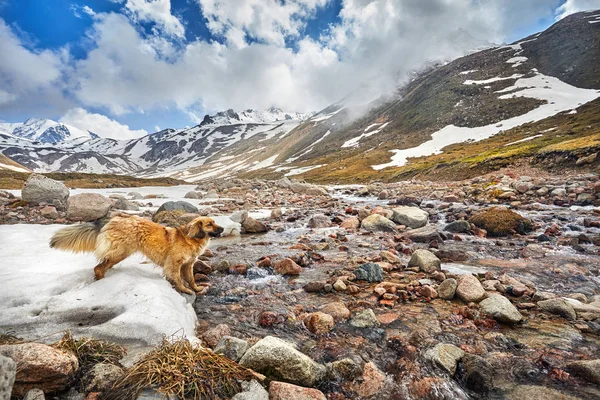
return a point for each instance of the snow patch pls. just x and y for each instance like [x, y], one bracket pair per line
[301, 170]
[354, 142]
[264, 163]
[468, 72]
[495, 79]
[524, 140]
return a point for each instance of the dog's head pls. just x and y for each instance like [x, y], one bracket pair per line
[202, 226]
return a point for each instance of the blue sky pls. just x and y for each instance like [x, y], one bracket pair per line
[151, 64]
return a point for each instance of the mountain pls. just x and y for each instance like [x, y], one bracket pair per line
[44, 130]
[270, 115]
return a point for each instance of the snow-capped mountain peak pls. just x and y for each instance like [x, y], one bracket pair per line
[251, 116]
[45, 130]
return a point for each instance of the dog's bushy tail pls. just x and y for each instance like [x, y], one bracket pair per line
[78, 238]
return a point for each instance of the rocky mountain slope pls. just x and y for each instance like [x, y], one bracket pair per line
[44, 130]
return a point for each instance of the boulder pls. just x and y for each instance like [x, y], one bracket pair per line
[412, 217]
[501, 309]
[319, 322]
[369, 272]
[445, 356]
[40, 189]
[378, 223]
[425, 260]
[126, 205]
[426, 234]
[287, 391]
[8, 371]
[558, 306]
[460, 226]
[287, 266]
[192, 195]
[170, 218]
[370, 383]
[469, 289]
[101, 377]
[232, 347]
[365, 319]
[252, 391]
[319, 221]
[178, 206]
[588, 370]
[305, 188]
[447, 289]
[252, 225]
[280, 360]
[40, 366]
[88, 207]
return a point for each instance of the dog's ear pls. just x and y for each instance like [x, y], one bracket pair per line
[194, 230]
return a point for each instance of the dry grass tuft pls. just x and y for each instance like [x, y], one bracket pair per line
[501, 222]
[6, 338]
[183, 370]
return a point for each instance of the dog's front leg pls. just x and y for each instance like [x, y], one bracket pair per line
[187, 272]
[173, 273]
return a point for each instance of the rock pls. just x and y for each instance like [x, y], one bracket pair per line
[365, 319]
[588, 370]
[287, 266]
[378, 223]
[33, 394]
[124, 204]
[232, 347]
[135, 196]
[40, 189]
[369, 272]
[276, 213]
[319, 221]
[8, 370]
[252, 225]
[319, 322]
[425, 260]
[501, 222]
[214, 335]
[445, 356]
[239, 216]
[426, 234]
[501, 309]
[460, 226]
[192, 195]
[49, 212]
[287, 391]
[412, 217]
[230, 228]
[530, 392]
[428, 291]
[351, 223]
[279, 359]
[558, 192]
[447, 289]
[178, 206]
[469, 289]
[345, 370]
[170, 218]
[390, 257]
[212, 194]
[40, 366]
[371, 382]
[101, 377]
[339, 285]
[252, 391]
[558, 306]
[337, 310]
[305, 188]
[477, 373]
[88, 207]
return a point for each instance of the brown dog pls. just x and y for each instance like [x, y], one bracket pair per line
[115, 239]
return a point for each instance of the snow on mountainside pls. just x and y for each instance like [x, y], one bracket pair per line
[44, 130]
[270, 115]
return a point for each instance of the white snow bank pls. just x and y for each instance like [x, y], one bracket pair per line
[559, 95]
[523, 140]
[354, 141]
[13, 168]
[264, 163]
[491, 80]
[300, 170]
[468, 72]
[45, 291]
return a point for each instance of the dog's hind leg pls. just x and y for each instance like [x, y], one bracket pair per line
[187, 272]
[108, 263]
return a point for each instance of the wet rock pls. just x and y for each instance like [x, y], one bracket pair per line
[378, 223]
[124, 204]
[276, 213]
[365, 319]
[501, 222]
[280, 360]
[447, 289]
[588, 370]
[412, 217]
[256, 273]
[339, 285]
[319, 221]
[522, 392]
[87, 207]
[351, 223]
[178, 206]
[215, 334]
[558, 306]
[469, 289]
[337, 310]
[40, 366]
[501, 309]
[445, 356]
[345, 370]
[49, 212]
[252, 225]
[425, 260]
[371, 382]
[33, 394]
[476, 373]
[426, 234]
[460, 226]
[314, 287]
[232, 347]
[252, 391]
[319, 323]
[40, 189]
[101, 377]
[287, 266]
[267, 319]
[8, 371]
[287, 391]
[239, 216]
[369, 272]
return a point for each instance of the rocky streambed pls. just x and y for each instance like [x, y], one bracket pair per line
[487, 288]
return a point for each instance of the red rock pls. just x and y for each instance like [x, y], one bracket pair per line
[208, 253]
[337, 310]
[287, 391]
[287, 267]
[428, 291]
[319, 323]
[239, 269]
[350, 223]
[213, 335]
[269, 318]
[387, 318]
[264, 263]
[200, 278]
[202, 267]
[387, 303]
[371, 383]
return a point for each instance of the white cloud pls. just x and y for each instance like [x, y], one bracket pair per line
[100, 125]
[572, 6]
[157, 11]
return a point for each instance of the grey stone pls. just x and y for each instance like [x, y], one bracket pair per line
[425, 260]
[231, 347]
[445, 356]
[369, 272]
[501, 309]
[319, 221]
[40, 189]
[412, 217]
[469, 289]
[239, 216]
[588, 370]
[178, 206]
[124, 204]
[192, 195]
[461, 226]
[88, 207]
[558, 306]
[378, 223]
[8, 371]
[252, 391]
[447, 289]
[252, 225]
[423, 235]
[273, 355]
[365, 319]
[101, 377]
[34, 394]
